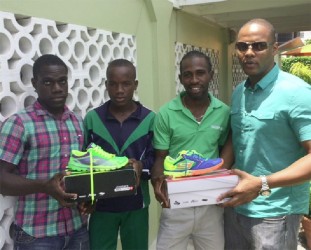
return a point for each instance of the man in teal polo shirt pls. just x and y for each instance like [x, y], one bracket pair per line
[194, 120]
[271, 131]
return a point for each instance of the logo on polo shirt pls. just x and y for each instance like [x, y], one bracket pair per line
[217, 127]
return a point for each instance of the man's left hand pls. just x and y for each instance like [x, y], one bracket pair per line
[246, 190]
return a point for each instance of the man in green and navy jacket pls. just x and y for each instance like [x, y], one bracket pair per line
[123, 127]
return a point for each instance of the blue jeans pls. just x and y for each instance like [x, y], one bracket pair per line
[274, 233]
[77, 241]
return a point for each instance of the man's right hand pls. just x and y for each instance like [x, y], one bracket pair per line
[55, 188]
[160, 190]
[14, 185]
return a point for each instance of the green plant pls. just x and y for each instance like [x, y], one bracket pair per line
[287, 62]
[302, 71]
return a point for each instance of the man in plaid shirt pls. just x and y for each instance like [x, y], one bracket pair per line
[35, 146]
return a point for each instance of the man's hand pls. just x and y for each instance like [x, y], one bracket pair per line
[138, 167]
[160, 190]
[55, 188]
[247, 189]
[86, 207]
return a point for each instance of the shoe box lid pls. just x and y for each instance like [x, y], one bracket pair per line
[215, 180]
[120, 182]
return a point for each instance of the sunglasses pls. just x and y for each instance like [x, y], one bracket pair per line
[256, 46]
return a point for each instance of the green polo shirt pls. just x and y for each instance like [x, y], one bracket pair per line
[268, 124]
[176, 129]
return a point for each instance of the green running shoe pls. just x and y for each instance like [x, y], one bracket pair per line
[190, 163]
[100, 160]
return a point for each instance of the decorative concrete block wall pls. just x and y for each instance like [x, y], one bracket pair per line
[86, 51]
[238, 74]
[6, 219]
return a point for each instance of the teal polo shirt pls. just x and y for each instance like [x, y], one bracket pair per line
[176, 129]
[268, 124]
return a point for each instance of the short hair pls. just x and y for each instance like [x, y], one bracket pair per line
[196, 53]
[47, 59]
[121, 63]
[265, 23]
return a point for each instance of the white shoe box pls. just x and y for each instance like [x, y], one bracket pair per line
[199, 190]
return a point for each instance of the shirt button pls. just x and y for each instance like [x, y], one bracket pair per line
[66, 155]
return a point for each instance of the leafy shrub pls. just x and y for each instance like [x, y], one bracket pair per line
[308, 41]
[287, 62]
[302, 71]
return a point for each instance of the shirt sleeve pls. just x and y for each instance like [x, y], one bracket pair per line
[12, 140]
[300, 113]
[161, 131]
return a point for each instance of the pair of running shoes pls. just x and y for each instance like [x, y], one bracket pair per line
[187, 162]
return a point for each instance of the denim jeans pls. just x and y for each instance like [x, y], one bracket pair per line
[77, 241]
[274, 233]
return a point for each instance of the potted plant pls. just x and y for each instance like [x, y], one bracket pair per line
[306, 224]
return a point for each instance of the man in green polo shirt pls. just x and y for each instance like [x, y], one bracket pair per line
[194, 120]
[271, 131]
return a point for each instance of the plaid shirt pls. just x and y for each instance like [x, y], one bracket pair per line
[40, 147]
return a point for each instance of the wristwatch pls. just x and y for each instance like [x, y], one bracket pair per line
[265, 189]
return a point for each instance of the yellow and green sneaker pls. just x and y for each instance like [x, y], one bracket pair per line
[190, 163]
[99, 159]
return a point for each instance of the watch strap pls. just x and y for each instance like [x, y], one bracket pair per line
[265, 189]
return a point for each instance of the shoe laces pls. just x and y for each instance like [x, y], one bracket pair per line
[98, 150]
[194, 156]
[191, 153]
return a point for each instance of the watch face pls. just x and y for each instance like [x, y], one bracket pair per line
[265, 192]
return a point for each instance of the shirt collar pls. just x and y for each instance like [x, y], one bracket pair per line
[266, 80]
[40, 110]
[176, 104]
[137, 114]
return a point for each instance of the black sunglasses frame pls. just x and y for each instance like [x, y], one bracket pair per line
[255, 46]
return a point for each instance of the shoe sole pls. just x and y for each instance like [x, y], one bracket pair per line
[189, 172]
[96, 168]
